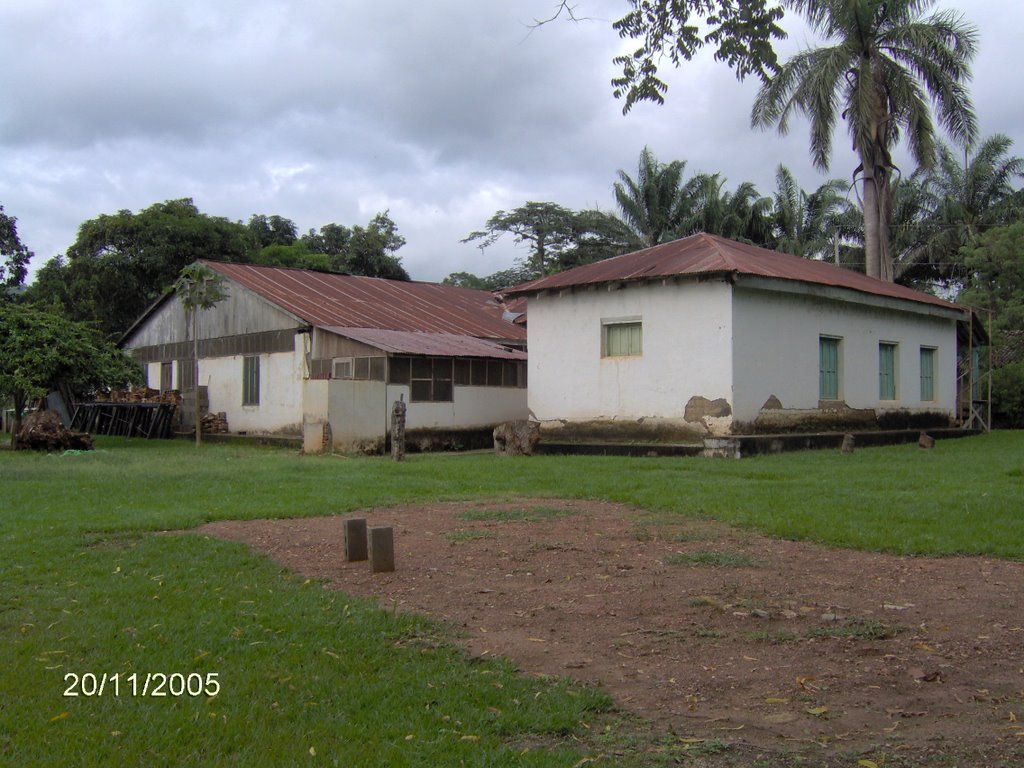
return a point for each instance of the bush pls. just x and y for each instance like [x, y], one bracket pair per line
[1008, 396]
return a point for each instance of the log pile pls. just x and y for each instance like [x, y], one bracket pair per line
[139, 395]
[214, 423]
[44, 431]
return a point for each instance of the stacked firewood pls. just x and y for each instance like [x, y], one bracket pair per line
[214, 423]
[139, 395]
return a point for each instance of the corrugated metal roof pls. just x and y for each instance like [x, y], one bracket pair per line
[421, 343]
[704, 254]
[346, 301]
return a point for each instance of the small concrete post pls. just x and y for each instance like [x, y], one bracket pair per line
[382, 550]
[848, 441]
[355, 540]
[398, 429]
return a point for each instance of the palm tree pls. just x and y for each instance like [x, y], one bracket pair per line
[198, 287]
[656, 205]
[812, 224]
[885, 61]
[962, 197]
[740, 215]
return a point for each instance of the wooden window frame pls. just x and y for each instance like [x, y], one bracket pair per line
[634, 345]
[927, 376]
[888, 378]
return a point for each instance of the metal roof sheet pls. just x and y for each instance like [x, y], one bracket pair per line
[422, 343]
[704, 254]
[326, 299]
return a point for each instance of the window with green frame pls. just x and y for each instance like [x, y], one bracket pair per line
[828, 368]
[886, 371]
[927, 374]
[251, 380]
[623, 339]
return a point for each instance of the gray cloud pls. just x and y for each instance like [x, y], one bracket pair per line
[324, 110]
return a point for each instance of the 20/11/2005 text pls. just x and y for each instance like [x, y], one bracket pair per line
[154, 684]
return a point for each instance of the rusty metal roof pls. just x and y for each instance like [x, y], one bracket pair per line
[331, 300]
[704, 254]
[420, 343]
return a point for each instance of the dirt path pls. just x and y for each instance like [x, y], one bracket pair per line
[710, 632]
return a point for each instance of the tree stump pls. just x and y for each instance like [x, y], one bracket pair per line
[516, 438]
[926, 441]
[848, 443]
[44, 431]
[398, 429]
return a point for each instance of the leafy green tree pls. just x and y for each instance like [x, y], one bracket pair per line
[557, 237]
[198, 287]
[740, 31]
[15, 256]
[120, 264]
[298, 256]
[272, 230]
[505, 278]
[885, 63]
[996, 275]
[41, 350]
[959, 199]
[369, 250]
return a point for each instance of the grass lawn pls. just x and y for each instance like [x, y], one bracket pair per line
[311, 676]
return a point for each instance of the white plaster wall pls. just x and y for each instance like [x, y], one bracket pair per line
[471, 407]
[358, 411]
[775, 342]
[687, 342]
[280, 406]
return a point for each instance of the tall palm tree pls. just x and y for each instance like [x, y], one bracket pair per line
[962, 197]
[656, 204]
[812, 224]
[885, 61]
[743, 214]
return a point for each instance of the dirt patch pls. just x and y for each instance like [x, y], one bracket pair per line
[710, 632]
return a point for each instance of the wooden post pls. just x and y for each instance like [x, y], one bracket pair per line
[355, 540]
[382, 550]
[398, 429]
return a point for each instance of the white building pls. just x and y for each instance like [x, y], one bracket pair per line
[705, 336]
[325, 356]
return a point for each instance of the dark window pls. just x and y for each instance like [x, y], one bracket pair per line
[361, 369]
[398, 370]
[186, 375]
[431, 380]
[166, 377]
[377, 368]
[462, 372]
[479, 373]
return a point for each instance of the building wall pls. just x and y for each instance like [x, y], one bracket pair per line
[687, 338]
[280, 408]
[776, 352]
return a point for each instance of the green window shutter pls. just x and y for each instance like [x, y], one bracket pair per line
[887, 371]
[623, 340]
[828, 368]
[927, 374]
[250, 380]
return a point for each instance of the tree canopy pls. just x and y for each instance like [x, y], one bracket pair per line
[120, 264]
[14, 256]
[42, 350]
[883, 65]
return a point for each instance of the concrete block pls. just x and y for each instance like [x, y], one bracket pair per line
[355, 540]
[382, 550]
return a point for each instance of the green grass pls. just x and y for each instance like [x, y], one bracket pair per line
[306, 670]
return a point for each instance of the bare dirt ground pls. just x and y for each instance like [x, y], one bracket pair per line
[709, 632]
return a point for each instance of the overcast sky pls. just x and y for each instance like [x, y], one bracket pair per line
[326, 111]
